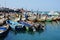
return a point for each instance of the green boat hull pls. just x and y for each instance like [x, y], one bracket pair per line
[48, 20]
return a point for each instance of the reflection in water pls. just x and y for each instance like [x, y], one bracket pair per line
[2, 37]
[14, 35]
[51, 32]
[29, 32]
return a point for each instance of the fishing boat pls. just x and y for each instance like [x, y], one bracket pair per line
[2, 19]
[32, 18]
[12, 24]
[55, 18]
[4, 29]
[54, 14]
[15, 17]
[16, 26]
[21, 26]
[28, 26]
[39, 26]
[1, 15]
[49, 18]
[23, 17]
[42, 19]
[58, 18]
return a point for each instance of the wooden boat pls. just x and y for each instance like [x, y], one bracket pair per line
[53, 13]
[32, 26]
[42, 19]
[2, 19]
[49, 18]
[32, 18]
[4, 29]
[1, 15]
[21, 26]
[12, 24]
[55, 18]
[58, 18]
[27, 25]
[23, 18]
[15, 17]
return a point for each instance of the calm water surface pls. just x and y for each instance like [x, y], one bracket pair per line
[52, 32]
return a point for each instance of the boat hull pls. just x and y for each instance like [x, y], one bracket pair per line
[5, 32]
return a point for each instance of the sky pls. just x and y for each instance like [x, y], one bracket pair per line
[42, 5]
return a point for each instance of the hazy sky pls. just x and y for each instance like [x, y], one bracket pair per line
[43, 5]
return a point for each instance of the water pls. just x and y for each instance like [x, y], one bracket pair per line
[52, 32]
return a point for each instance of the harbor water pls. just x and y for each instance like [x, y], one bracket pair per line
[51, 32]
